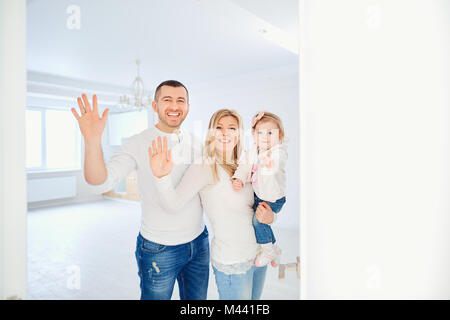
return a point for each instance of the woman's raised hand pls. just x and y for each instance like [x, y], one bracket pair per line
[160, 158]
[91, 125]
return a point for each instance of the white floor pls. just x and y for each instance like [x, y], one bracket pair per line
[86, 251]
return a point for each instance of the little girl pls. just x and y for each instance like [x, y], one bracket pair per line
[263, 166]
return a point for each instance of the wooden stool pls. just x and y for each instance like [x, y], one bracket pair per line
[288, 266]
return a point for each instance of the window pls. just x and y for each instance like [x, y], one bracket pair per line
[34, 138]
[62, 143]
[53, 139]
[124, 125]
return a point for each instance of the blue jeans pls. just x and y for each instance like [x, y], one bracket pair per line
[160, 265]
[241, 286]
[263, 232]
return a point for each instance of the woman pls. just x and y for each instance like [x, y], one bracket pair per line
[234, 247]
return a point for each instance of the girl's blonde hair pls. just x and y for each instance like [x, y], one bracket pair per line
[210, 151]
[269, 116]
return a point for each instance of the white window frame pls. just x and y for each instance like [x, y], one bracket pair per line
[43, 167]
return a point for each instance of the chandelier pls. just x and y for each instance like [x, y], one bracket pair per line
[140, 98]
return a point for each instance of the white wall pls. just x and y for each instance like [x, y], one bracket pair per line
[83, 193]
[13, 236]
[374, 83]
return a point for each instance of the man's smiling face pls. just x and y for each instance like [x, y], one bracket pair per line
[172, 106]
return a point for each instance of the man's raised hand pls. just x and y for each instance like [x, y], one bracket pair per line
[160, 158]
[91, 125]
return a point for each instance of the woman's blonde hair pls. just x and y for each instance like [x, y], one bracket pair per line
[210, 151]
[269, 116]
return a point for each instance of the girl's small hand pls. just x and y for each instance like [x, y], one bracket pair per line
[267, 160]
[237, 184]
[264, 213]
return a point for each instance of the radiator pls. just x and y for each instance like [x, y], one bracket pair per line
[51, 188]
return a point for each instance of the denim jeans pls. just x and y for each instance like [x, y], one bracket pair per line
[241, 286]
[160, 265]
[263, 232]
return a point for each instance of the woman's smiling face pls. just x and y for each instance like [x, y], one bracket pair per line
[226, 134]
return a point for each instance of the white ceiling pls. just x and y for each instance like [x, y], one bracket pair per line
[280, 13]
[193, 41]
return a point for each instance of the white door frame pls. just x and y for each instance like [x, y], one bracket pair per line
[13, 206]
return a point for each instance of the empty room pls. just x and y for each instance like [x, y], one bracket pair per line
[234, 55]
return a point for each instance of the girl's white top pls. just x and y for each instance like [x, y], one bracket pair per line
[269, 183]
[230, 212]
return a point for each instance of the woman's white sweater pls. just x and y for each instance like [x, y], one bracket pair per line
[229, 211]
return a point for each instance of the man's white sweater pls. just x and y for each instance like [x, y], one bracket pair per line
[157, 224]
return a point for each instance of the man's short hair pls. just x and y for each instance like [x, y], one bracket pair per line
[170, 83]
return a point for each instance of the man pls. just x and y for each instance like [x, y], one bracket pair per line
[170, 246]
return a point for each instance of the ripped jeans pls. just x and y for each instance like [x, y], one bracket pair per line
[159, 266]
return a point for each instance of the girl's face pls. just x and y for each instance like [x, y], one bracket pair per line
[266, 134]
[226, 135]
